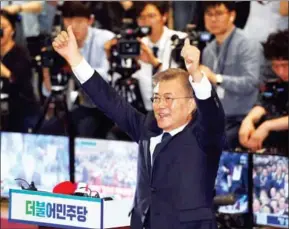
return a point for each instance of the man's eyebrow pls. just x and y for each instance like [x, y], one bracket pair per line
[168, 93]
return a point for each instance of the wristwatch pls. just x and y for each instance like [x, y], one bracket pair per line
[158, 65]
[219, 78]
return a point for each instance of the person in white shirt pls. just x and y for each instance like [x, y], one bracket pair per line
[156, 48]
[266, 17]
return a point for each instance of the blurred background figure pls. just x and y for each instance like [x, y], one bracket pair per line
[266, 125]
[16, 73]
[231, 62]
[260, 24]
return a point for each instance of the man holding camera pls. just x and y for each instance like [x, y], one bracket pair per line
[264, 126]
[156, 48]
[87, 120]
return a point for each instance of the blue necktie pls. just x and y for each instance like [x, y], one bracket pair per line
[165, 137]
[155, 51]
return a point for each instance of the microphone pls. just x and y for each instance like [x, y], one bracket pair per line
[65, 187]
[30, 187]
[175, 40]
[224, 200]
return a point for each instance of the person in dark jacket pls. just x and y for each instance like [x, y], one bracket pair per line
[16, 73]
[180, 142]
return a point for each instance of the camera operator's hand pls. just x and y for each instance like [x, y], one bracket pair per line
[258, 136]
[66, 46]
[5, 72]
[191, 55]
[246, 130]
[108, 45]
[147, 55]
[13, 9]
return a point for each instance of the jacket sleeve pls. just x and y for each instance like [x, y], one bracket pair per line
[114, 106]
[210, 126]
[249, 58]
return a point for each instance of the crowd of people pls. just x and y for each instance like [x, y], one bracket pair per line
[270, 178]
[38, 158]
[237, 73]
[108, 163]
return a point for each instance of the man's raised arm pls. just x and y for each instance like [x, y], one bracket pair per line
[211, 117]
[105, 97]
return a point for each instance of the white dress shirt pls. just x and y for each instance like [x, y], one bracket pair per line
[83, 71]
[156, 140]
[144, 74]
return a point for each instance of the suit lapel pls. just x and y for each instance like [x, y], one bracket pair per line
[159, 148]
[146, 150]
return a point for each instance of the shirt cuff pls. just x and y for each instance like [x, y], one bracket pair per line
[83, 71]
[202, 89]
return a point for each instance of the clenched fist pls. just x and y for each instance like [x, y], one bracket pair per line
[65, 45]
[191, 55]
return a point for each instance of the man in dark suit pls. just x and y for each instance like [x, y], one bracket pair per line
[179, 143]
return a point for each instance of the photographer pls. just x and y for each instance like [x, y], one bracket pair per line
[88, 121]
[156, 48]
[16, 69]
[28, 12]
[273, 129]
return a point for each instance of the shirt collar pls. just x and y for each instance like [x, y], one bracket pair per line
[162, 41]
[177, 130]
[226, 40]
[88, 38]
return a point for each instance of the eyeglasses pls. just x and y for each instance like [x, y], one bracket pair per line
[149, 16]
[168, 100]
[217, 14]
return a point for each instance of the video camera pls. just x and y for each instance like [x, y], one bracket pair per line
[123, 54]
[275, 96]
[197, 38]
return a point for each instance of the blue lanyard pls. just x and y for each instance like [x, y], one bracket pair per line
[222, 66]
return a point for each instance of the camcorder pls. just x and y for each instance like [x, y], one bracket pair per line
[123, 54]
[128, 45]
[275, 96]
[123, 61]
[57, 65]
[197, 38]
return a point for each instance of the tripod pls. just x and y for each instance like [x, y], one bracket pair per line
[127, 86]
[4, 104]
[129, 89]
[58, 97]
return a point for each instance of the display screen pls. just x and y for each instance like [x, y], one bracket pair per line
[232, 178]
[270, 195]
[43, 159]
[108, 167]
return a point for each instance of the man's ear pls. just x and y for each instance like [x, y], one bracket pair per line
[192, 106]
[165, 18]
[91, 20]
[233, 16]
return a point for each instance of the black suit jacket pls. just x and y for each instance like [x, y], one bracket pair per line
[179, 189]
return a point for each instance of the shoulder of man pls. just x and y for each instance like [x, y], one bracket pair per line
[243, 41]
[179, 33]
[106, 34]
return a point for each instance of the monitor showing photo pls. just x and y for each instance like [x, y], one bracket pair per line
[107, 167]
[270, 190]
[232, 178]
[43, 159]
